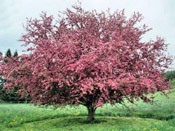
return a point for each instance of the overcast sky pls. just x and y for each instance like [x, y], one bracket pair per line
[158, 14]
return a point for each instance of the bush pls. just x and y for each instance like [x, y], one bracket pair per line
[169, 75]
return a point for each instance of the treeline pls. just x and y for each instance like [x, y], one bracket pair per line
[6, 95]
[169, 75]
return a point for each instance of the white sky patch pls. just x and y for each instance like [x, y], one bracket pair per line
[158, 14]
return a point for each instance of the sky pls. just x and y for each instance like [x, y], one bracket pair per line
[158, 14]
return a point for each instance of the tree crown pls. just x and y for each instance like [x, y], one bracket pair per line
[88, 58]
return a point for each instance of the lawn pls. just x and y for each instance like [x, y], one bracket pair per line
[156, 116]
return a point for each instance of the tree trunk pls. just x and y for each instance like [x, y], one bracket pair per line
[91, 112]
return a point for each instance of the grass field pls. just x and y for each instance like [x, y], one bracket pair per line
[157, 116]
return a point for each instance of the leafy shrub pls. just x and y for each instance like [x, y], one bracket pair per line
[169, 75]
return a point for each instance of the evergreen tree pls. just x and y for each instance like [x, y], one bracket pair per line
[15, 54]
[8, 53]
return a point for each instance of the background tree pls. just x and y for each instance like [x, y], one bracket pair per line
[8, 53]
[15, 54]
[88, 58]
[169, 75]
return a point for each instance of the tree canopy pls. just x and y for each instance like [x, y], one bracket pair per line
[89, 58]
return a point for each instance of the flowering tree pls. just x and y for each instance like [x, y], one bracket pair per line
[87, 58]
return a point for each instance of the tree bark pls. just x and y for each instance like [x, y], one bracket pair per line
[91, 113]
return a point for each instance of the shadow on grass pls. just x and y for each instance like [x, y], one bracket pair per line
[84, 121]
[81, 119]
[100, 123]
[96, 121]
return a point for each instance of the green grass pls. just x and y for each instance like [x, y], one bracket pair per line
[157, 116]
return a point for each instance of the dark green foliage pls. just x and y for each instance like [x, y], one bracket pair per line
[8, 53]
[169, 75]
[15, 54]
